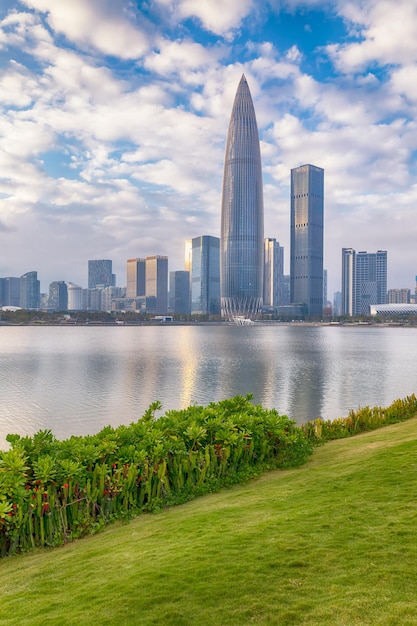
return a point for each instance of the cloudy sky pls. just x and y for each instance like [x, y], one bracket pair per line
[114, 116]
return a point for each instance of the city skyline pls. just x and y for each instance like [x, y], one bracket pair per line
[111, 146]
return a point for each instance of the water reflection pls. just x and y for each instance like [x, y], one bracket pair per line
[77, 380]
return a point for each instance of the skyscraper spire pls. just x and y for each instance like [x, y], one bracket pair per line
[242, 216]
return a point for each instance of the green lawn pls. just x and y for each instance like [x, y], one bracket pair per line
[333, 542]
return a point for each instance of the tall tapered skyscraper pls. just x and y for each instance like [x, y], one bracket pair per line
[242, 216]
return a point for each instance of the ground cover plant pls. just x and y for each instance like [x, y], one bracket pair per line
[54, 491]
[329, 543]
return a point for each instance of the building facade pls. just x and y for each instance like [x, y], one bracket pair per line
[205, 275]
[364, 281]
[179, 292]
[135, 278]
[399, 296]
[348, 281]
[156, 277]
[75, 297]
[58, 296]
[242, 213]
[100, 273]
[30, 291]
[273, 282]
[307, 224]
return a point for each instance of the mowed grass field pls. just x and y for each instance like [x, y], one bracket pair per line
[332, 542]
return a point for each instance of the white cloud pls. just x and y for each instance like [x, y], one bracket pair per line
[101, 24]
[387, 32]
[216, 16]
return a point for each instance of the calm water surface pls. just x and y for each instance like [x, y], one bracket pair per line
[76, 380]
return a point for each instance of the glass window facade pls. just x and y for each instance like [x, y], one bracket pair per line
[307, 218]
[242, 215]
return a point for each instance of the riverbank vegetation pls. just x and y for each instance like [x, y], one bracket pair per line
[52, 492]
[329, 543]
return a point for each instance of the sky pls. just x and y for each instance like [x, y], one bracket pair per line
[114, 117]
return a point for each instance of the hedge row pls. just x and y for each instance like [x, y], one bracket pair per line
[53, 491]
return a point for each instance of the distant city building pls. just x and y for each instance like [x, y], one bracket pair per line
[92, 299]
[188, 250]
[273, 273]
[371, 280]
[100, 273]
[156, 273]
[392, 310]
[10, 291]
[75, 297]
[286, 290]
[348, 281]
[242, 214]
[325, 302]
[108, 294]
[364, 280]
[205, 275]
[58, 296]
[30, 291]
[399, 296]
[179, 292]
[337, 303]
[136, 278]
[307, 219]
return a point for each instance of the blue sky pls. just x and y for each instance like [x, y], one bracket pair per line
[114, 118]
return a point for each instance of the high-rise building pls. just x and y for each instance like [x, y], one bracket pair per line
[273, 273]
[135, 278]
[179, 292]
[399, 296]
[58, 296]
[371, 280]
[75, 297]
[364, 280]
[156, 273]
[11, 291]
[307, 219]
[242, 214]
[30, 291]
[100, 273]
[205, 275]
[348, 281]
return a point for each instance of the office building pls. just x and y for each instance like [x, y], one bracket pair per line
[205, 275]
[179, 292]
[75, 297]
[364, 281]
[371, 280]
[156, 282]
[58, 296]
[242, 213]
[273, 273]
[348, 281]
[30, 291]
[10, 291]
[399, 296]
[307, 219]
[100, 273]
[135, 278]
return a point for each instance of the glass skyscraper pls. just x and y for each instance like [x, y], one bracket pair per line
[307, 217]
[100, 273]
[242, 215]
[205, 275]
[364, 280]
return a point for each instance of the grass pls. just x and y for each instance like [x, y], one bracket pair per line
[332, 542]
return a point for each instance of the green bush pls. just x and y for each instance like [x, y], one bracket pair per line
[54, 491]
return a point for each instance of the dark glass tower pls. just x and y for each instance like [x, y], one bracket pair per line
[242, 217]
[306, 271]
